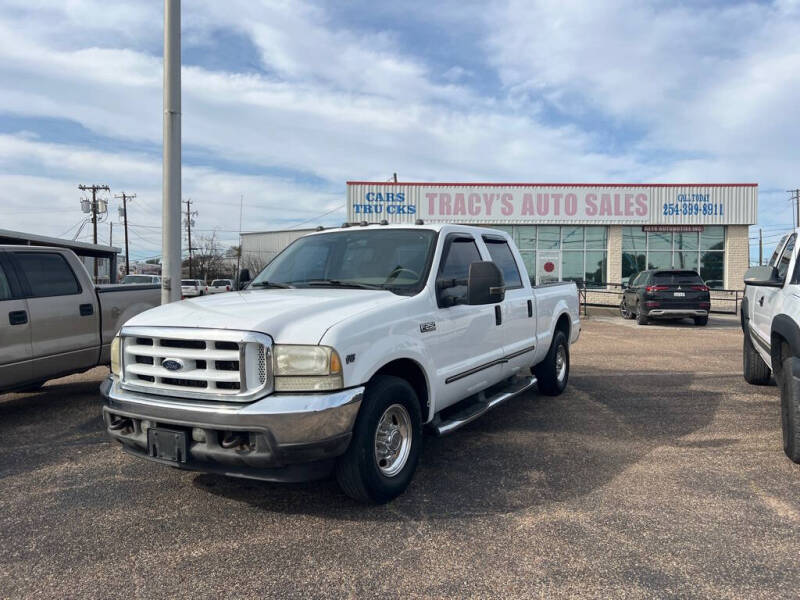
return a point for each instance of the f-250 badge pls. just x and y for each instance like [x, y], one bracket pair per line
[426, 327]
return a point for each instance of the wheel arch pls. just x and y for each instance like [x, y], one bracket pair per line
[784, 341]
[411, 371]
[563, 323]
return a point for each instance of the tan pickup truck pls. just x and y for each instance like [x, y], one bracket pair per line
[53, 320]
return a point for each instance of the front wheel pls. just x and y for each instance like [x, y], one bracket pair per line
[553, 372]
[624, 311]
[387, 438]
[790, 407]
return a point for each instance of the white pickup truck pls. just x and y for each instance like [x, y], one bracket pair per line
[53, 320]
[771, 324]
[337, 354]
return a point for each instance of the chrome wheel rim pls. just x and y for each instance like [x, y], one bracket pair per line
[561, 363]
[393, 440]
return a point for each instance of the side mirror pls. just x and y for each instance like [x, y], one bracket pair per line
[244, 278]
[485, 284]
[763, 276]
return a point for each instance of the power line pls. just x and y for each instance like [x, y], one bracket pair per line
[317, 217]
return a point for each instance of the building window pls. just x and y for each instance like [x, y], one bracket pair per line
[580, 251]
[703, 252]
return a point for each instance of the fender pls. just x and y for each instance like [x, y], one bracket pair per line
[785, 327]
[744, 314]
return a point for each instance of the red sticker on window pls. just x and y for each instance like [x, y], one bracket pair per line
[549, 267]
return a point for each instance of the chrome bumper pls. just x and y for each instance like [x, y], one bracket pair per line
[281, 429]
[677, 312]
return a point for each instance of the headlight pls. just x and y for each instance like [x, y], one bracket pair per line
[116, 363]
[306, 368]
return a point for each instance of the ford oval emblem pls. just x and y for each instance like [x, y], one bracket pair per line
[172, 364]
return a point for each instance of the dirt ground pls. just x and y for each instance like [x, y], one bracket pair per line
[658, 473]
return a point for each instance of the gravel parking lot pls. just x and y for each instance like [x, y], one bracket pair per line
[659, 473]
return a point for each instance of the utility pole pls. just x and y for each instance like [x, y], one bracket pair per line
[796, 199]
[125, 197]
[171, 165]
[111, 233]
[95, 208]
[760, 247]
[189, 222]
[237, 276]
[395, 177]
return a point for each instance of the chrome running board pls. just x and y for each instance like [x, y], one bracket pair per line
[470, 409]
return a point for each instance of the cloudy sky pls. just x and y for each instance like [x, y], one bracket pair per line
[283, 101]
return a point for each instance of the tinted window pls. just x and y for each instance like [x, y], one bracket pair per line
[677, 278]
[48, 274]
[5, 287]
[786, 258]
[188, 282]
[461, 253]
[504, 259]
[639, 280]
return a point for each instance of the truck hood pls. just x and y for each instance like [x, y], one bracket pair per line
[293, 316]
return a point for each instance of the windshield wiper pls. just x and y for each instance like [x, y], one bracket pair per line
[341, 284]
[271, 284]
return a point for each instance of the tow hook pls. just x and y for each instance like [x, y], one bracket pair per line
[120, 423]
[232, 439]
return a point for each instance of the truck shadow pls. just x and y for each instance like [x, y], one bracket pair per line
[534, 450]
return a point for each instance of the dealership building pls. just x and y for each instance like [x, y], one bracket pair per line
[595, 233]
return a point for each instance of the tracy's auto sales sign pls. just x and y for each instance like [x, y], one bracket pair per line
[556, 204]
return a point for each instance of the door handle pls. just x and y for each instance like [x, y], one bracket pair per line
[761, 301]
[86, 310]
[530, 308]
[18, 317]
[498, 315]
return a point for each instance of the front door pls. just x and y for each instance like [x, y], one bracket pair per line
[15, 330]
[466, 345]
[64, 317]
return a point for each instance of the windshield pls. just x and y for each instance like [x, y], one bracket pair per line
[392, 259]
[137, 279]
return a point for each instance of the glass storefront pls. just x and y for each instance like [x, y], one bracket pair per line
[575, 253]
[696, 251]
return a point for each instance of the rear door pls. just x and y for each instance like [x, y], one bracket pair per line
[15, 329]
[64, 316]
[518, 327]
[767, 301]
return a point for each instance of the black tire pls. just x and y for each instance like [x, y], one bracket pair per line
[357, 470]
[553, 380]
[755, 370]
[790, 407]
[641, 318]
[701, 321]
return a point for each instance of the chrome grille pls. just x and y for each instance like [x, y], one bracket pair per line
[196, 363]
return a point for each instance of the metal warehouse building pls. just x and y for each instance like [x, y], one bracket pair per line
[596, 233]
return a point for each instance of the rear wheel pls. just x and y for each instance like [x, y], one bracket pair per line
[553, 372]
[790, 407]
[755, 370]
[641, 318]
[701, 321]
[387, 438]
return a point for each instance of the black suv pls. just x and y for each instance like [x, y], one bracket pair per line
[666, 294]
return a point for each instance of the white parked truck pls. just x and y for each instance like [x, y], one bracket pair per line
[54, 320]
[771, 324]
[218, 286]
[337, 354]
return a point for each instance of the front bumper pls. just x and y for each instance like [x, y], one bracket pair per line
[286, 437]
[677, 312]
